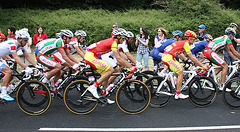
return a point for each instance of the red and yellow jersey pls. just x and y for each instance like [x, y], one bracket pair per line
[103, 47]
[177, 48]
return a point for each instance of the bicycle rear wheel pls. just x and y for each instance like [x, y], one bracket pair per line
[232, 98]
[77, 99]
[202, 91]
[163, 96]
[33, 97]
[133, 97]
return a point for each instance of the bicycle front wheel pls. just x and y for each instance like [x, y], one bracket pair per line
[133, 97]
[33, 97]
[77, 99]
[202, 91]
[231, 93]
[161, 94]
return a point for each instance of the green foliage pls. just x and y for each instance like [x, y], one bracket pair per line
[98, 22]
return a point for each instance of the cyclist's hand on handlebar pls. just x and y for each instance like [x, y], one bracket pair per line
[139, 65]
[133, 68]
[188, 61]
[38, 66]
[205, 67]
[28, 70]
[75, 66]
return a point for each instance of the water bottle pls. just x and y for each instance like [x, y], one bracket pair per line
[91, 78]
[110, 86]
[10, 88]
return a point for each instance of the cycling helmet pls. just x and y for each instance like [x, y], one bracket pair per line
[80, 33]
[23, 35]
[208, 36]
[58, 35]
[66, 33]
[119, 32]
[177, 33]
[2, 36]
[230, 30]
[233, 24]
[190, 33]
[130, 34]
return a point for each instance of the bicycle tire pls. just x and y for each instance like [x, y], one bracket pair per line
[164, 96]
[204, 94]
[33, 98]
[76, 103]
[232, 99]
[131, 99]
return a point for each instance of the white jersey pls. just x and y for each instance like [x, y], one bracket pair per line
[41, 44]
[10, 46]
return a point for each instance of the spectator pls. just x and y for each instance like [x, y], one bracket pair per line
[114, 26]
[38, 37]
[201, 32]
[11, 33]
[161, 37]
[229, 60]
[142, 40]
[27, 47]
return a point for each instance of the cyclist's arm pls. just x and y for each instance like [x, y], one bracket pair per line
[71, 56]
[193, 59]
[130, 57]
[29, 58]
[18, 60]
[6, 57]
[230, 47]
[65, 57]
[79, 51]
[183, 57]
[121, 60]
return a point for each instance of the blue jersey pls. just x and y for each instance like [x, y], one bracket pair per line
[198, 47]
[162, 45]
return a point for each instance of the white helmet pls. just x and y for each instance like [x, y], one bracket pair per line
[66, 33]
[58, 35]
[23, 35]
[119, 32]
[130, 34]
[80, 33]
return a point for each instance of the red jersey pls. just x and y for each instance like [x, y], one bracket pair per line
[103, 47]
[177, 48]
[11, 37]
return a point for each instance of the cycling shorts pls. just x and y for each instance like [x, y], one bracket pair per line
[2, 65]
[99, 65]
[57, 56]
[173, 64]
[46, 61]
[110, 59]
[213, 56]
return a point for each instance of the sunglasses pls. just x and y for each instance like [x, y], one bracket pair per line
[123, 37]
[114, 27]
[70, 37]
[200, 28]
[83, 37]
[159, 31]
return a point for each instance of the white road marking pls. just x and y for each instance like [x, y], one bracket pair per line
[142, 129]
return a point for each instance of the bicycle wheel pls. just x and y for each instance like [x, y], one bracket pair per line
[232, 98]
[142, 77]
[77, 99]
[202, 91]
[33, 98]
[131, 99]
[163, 96]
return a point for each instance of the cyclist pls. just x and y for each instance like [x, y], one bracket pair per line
[175, 49]
[158, 49]
[103, 47]
[52, 47]
[11, 47]
[2, 37]
[219, 43]
[112, 61]
[76, 42]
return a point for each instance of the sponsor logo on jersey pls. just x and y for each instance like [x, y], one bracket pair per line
[99, 63]
[174, 64]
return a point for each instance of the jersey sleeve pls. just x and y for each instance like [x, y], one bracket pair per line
[23, 49]
[229, 42]
[114, 46]
[60, 44]
[187, 48]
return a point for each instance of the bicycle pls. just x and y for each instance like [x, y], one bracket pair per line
[232, 98]
[201, 89]
[132, 96]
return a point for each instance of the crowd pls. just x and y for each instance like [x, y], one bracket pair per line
[108, 55]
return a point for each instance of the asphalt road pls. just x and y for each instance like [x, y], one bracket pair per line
[177, 115]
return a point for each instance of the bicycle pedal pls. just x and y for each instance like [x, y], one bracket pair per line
[102, 101]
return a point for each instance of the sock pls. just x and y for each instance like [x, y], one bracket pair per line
[45, 80]
[96, 84]
[4, 90]
[178, 92]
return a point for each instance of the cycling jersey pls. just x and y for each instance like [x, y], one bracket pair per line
[198, 47]
[42, 43]
[177, 48]
[103, 47]
[10, 46]
[52, 47]
[73, 43]
[219, 43]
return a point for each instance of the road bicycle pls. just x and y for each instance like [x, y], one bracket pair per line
[231, 90]
[132, 96]
[201, 89]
